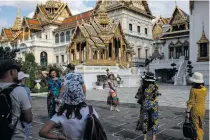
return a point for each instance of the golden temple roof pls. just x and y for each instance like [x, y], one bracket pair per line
[32, 23]
[96, 32]
[179, 16]
[140, 6]
[102, 14]
[203, 38]
[52, 12]
[17, 24]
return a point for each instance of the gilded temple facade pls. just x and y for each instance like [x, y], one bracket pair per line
[52, 27]
[100, 42]
[182, 38]
[171, 45]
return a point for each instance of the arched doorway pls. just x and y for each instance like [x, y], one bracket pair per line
[43, 59]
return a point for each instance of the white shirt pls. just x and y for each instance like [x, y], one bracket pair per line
[74, 128]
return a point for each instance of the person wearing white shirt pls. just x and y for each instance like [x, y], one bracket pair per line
[72, 115]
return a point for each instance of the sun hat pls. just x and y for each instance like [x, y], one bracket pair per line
[8, 64]
[149, 76]
[22, 75]
[197, 78]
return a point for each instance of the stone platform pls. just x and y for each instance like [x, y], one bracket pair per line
[129, 77]
[121, 125]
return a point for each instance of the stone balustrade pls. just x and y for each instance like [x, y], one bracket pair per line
[168, 61]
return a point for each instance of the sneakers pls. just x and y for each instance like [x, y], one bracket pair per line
[111, 108]
[114, 109]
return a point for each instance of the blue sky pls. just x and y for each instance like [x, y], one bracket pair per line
[8, 8]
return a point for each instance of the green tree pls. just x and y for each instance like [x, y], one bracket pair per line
[30, 67]
[7, 53]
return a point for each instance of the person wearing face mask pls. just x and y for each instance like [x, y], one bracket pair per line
[20, 104]
[21, 81]
[54, 87]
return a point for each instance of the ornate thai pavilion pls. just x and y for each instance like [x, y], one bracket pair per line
[171, 42]
[101, 41]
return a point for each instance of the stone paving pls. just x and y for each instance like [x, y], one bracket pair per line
[121, 125]
[172, 96]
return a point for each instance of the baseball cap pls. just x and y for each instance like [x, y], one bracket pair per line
[8, 64]
[22, 75]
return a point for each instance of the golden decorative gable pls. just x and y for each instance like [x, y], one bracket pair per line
[136, 5]
[52, 12]
[177, 18]
[102, 42]
[203, 38]
[157, 31]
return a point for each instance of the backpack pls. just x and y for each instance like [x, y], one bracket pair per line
[7, 127]
[189, 130]
[94, 129]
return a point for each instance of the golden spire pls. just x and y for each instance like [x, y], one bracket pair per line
[17, 24]
[203, 38]
[102, 14]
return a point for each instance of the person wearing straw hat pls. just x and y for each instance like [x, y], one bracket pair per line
[112, 99]
[148, 119]
[21, 81]
[196, 105]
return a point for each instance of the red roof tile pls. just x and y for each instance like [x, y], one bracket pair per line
[33, 21]
[77, 17]
[8, 33]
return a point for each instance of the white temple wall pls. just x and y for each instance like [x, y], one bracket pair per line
[199, 16]
[48, 32]
[50, 54]
[135, 38]
[174, 41]
[59, 51]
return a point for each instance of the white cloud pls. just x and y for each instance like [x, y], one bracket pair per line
[4, 23]
[78, 6]
[75, 6]
[31, 15]
[166, 8]
[23, 4]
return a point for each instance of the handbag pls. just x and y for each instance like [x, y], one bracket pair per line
[189, 130]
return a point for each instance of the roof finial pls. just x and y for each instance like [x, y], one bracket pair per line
[102, 14]
[203, 26]
[18, 10]
[17, 24]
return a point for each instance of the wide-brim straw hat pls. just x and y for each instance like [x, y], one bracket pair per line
[197, 78]
[149, 76]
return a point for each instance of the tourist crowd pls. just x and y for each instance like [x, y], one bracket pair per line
[67, 107]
